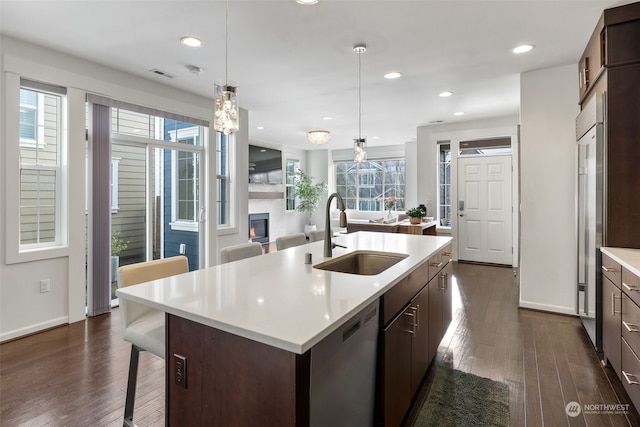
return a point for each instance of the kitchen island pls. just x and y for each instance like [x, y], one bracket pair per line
[249, 335]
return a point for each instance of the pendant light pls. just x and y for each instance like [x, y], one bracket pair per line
[359, 143]
[226, 115]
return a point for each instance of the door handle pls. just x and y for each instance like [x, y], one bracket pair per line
[461, 214]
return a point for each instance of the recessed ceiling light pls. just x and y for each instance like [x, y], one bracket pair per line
[445, 94]
[393, 75]
[260, 127]
[459, 113]
[191, 41]
[327, 118]
[307, 2]
[523, 48]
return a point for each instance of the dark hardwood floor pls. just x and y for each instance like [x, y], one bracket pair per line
[76, 375]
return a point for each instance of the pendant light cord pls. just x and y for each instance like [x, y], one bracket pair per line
[226, 46]
[359, 96]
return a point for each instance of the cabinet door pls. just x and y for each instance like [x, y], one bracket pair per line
[447, 313]
[435, 315]
[420, 339]
[397, 368]
[611, 323]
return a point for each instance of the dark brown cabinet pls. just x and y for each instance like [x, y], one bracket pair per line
[410, 337]
[610, 67]
[611, 321]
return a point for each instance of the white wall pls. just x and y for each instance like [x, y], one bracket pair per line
[549, 105]
[23, 309]
[427, 154]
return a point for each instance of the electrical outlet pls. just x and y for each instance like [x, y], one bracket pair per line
[45, 285]
[183, 249]
[180, 372]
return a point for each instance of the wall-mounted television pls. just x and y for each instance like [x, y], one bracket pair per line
[265, 165]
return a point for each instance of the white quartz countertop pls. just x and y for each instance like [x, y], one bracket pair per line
[628, 258]
[279, 300]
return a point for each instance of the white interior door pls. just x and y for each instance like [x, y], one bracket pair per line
[485, 209]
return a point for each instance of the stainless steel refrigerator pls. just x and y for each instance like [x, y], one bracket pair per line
[590, 135]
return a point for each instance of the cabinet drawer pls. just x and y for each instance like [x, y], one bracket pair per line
[631, 323]
[631, 373]
[631, 285]
[399, 296]
[612, 270]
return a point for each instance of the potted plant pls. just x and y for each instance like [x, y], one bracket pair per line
[117, 246]
[415, 215]
[308, 195]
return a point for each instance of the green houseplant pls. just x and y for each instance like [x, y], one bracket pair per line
[308, 194]
[415, 215]
[117, 246]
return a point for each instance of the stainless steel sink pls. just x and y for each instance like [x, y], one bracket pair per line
[368, 263]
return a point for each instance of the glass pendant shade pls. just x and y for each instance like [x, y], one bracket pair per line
[359, 150]
[318, 137]
[225, 118]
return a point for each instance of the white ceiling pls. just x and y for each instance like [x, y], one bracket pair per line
[295, 64]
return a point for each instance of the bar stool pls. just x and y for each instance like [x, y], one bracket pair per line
[144, 327]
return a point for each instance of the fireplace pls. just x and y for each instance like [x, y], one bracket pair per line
[259, 227]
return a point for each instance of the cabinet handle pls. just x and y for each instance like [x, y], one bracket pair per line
[631, 288]
[631, 327]
[447, 254]
[417, 311]
[613, 304]
[627, 376]
[412, 331]
[608, 269]
[433, 264]
[443, 282]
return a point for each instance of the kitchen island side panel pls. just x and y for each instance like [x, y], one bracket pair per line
[234, 381]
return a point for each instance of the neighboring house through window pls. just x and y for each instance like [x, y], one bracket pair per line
[42, 133]
[364, 186]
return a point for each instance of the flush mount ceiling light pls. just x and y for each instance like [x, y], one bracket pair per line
[523, 48]
[319, 137]
[191, 41]
[359, 143]
[327, 118]
[307, 2]
[393, 75]
[459, 113]
[226, 115]
[445, 94]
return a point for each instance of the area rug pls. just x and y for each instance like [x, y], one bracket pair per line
[460, 399]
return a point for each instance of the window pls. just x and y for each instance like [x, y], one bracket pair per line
[222, 178]
[444, 183]
[290, 177]
[115, 162]
[364, 186]
[185, 175]
[41, 138]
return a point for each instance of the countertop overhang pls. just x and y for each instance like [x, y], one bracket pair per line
[276, 298]
[628, 258]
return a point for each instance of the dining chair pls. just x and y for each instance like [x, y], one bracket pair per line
[144, 327]
[290, 241]
[237, 252]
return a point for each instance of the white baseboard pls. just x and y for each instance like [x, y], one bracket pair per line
[31, 329]
[548, 307]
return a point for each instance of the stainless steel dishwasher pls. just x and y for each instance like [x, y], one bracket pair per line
[343, 373]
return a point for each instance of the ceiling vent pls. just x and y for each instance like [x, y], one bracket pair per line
[162, 73]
